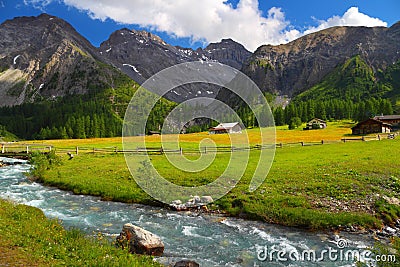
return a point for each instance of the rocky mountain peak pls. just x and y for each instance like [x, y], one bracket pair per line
[148, 35]
[394, 30]
[141, 54]
[43, 58]
[228, 52]
[125, 34]
[223, 43]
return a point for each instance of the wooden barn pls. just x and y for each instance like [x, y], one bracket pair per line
[232, 127]
[315, 124]
[371, 126]
[394, 120]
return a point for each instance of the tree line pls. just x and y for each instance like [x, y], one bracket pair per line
[73, 117]
[91, 117]
[331, 110]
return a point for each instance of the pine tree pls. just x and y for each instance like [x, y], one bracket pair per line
[279, 116]
[63, 133]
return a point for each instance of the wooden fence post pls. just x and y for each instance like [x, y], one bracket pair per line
[281, 145]
[302, 143]
[205, 150]
[181, 151]
[363, 138]
[3, 147]
[322, 142]
[77, 150]
[116, 150]
[27, 149]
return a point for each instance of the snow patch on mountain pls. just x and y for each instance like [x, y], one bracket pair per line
[15, 59]
[133, 67]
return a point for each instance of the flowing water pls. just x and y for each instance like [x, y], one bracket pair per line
[207, 239]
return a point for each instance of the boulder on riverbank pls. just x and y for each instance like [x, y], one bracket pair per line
[194, 202]
[140, 241]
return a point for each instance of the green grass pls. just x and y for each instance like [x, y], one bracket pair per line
[6, 136]
[28, 238]
[314, 187]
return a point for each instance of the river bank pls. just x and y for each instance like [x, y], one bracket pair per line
[29, 238]
[209, 240]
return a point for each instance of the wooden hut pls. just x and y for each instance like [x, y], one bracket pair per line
[393, 120]
[315, 124]
[232, 127]
[371, 126]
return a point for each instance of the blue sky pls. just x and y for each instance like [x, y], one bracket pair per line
[194, 23]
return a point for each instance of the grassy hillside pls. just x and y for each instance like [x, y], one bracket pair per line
[6, 136]
[356, 81]
[390, 82]
[352, 91]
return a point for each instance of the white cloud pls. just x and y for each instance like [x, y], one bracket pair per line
[38, 4]
[352, 17]
[212, 20]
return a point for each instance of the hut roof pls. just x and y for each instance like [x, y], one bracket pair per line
[372, 120]
[224, 126]
[387, 117]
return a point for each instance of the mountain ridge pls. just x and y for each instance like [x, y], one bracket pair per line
[140, 55]
[45, 56]
[294, 67]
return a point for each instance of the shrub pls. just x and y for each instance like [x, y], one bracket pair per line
[42, 162]
[294, 123]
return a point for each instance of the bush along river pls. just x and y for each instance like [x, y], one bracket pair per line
[209, 240]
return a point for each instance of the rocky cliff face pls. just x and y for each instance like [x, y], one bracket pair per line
[43, 58]
[294, 67]
[227, 52]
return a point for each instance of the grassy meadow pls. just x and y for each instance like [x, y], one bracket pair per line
[334, 132]
[315, 187]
